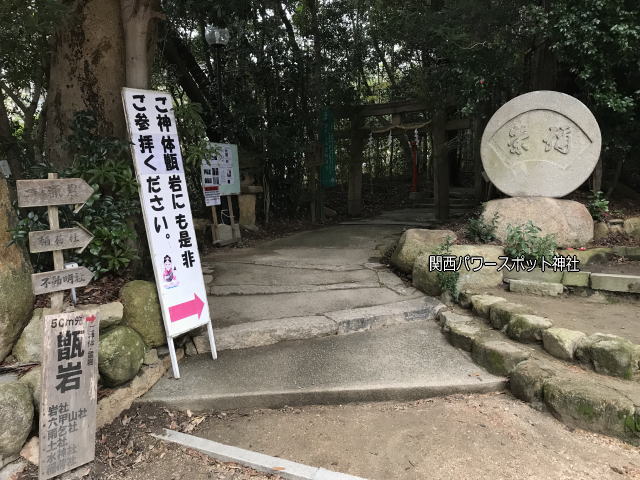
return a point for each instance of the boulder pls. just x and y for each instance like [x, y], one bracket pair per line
[527, 328]
[583, 402]
[110, 314]
[28, 348]
[487, 276]
[561, 342]
[121, 353]
[528, 378]
[16, 295]
[415, 242]
[501, 313]
[609, 355]
[33, 380]
[16, 417]
[142, 311]
[468, 280]
[568, 221]
[632, 227]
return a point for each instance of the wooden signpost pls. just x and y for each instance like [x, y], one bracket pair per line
[52, 193]
[70, 340]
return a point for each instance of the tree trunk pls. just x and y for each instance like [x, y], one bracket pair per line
[87, 73]
[136, 21]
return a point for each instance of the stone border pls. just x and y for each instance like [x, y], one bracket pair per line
[268, 332]
[577, 397]
[604, 353]
[258, 461]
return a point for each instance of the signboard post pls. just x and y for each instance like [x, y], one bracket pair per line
[221, 177]
[167, 215]
[69, 392]
[51, 193]
[70, 340]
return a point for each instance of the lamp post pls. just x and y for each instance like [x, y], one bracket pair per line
[218, 38]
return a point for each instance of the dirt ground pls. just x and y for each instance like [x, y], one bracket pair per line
[125, 450]
[620, 266]
[467, 437]
[618, 315]
[464, 437]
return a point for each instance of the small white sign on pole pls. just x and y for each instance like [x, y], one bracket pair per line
[221, 173]
[167, 214]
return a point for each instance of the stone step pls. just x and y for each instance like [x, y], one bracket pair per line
[577, 397]
[398, 363]
[340, 322]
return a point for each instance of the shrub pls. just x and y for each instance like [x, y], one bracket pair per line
[480, 231]
[524, 241]
[106, 165]
[598, 206]
[448, 281]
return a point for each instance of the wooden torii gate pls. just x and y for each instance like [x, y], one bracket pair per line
[438, 125]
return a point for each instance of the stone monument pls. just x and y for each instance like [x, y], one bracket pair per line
[536, 148]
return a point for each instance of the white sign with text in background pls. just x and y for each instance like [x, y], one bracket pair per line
[221, 173]
[167, 214]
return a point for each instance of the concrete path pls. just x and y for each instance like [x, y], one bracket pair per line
[403, 362]
[281, 316]
[305, 274]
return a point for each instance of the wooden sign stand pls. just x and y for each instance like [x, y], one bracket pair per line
[69, 374]
[57, 298]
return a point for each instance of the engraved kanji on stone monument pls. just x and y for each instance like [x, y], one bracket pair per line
[541, 144]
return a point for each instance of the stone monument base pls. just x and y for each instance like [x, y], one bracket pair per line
[570, 222]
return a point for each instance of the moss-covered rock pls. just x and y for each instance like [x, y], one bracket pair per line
[468, 280]
[142, 311]
[16, 294]
[528, 379]
[16, 417]
[632, 227]
[461, 330]
[481, 304]
[527, 328]
[501, 313]
[582, 403]
[561, 342]
[28, 348]
[110, 314]
[609, 355]
[33, 380]
[415, 242]
[498, 356]
[120, 356]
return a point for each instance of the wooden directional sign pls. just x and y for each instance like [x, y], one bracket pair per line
[51, 192]
[63, 239]
[59, 280]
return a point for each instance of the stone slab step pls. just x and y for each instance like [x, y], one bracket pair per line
[577, 397]
[399, 363]
[267, 332]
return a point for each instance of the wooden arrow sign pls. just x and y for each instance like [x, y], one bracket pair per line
[63, 239]
[51, 192]
[59, 280]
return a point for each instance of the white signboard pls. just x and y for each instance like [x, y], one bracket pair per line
[221, 173]
[69, 392]
[167, 213]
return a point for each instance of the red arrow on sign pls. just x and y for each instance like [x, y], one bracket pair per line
[186, 309]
